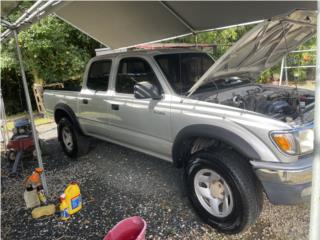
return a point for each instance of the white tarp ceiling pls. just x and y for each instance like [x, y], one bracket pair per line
[123, 24]
[7, 7]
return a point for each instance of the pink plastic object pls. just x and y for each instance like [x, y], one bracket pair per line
[133, 228]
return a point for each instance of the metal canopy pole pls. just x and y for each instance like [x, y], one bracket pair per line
[34, 131]
[281, 71]
[286, 70]
[315, 195]
[179, 17]
[4, 128]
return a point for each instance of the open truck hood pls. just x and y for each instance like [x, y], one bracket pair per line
[263, 46]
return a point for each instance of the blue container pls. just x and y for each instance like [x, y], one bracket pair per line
[21, 123]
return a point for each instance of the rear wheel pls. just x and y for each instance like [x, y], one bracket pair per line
[73, 143]
[223, 190]
[11, 155]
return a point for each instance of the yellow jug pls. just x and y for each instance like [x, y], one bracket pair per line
[63, 207]
[73, 198]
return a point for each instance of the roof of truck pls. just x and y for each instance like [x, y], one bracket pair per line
[146, 52]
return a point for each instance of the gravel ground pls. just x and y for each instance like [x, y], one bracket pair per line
[117, 183]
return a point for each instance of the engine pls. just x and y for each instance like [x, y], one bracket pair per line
[279, 103]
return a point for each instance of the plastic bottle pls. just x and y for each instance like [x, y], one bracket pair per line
[64, 213]
[35, 179]
[41, 194]
[73, 198]
[31, 197]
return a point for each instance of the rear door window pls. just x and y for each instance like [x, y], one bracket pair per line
[99, 74]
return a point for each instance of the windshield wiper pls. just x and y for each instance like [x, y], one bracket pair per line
[208, 85]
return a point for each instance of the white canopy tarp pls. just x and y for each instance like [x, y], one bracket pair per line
[8, 6]
[123, 24]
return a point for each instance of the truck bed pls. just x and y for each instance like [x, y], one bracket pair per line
[54, 97]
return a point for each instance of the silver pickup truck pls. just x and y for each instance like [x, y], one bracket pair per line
[234, 138]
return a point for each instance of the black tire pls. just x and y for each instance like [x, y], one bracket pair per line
[11, 155]
[80, 142]
[245, 188]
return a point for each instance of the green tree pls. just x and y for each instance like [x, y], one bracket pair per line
[223, 39]
[295, 59]
[52, 50]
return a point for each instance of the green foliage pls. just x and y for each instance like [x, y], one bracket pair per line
[303, 59]
[269, 75]
[50, 55]
[52, 51]
[222, 38]
[225, 38]
[295, 59]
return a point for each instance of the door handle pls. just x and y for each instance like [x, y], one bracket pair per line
[85, 101]
[115, 107]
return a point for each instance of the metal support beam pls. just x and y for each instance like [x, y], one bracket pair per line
[4, 130]
[26, 91]
[303, 66]
[304, 50]
[286, 70]
[39, 8]
[177, 16]
[315, 195]
[281, 71]
[6, 23]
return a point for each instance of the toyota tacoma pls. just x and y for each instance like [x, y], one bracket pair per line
[235, 138]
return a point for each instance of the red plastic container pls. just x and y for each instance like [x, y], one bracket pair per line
[133, 228]
[21, 144]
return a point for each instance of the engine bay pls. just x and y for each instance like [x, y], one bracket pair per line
[282, 103]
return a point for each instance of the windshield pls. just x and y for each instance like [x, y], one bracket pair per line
[182, 70]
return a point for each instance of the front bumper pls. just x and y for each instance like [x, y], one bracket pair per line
[286, 183]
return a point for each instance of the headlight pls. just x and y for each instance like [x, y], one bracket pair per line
[306, 140]
[294, 142]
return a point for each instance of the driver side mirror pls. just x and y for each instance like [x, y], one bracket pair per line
[145, 90]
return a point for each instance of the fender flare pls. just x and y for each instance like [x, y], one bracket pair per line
[69, 113]
[208, 131]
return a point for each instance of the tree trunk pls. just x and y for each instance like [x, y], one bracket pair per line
[36, 77]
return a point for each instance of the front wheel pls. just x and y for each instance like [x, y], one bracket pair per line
[223, 190]
[73, 143]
